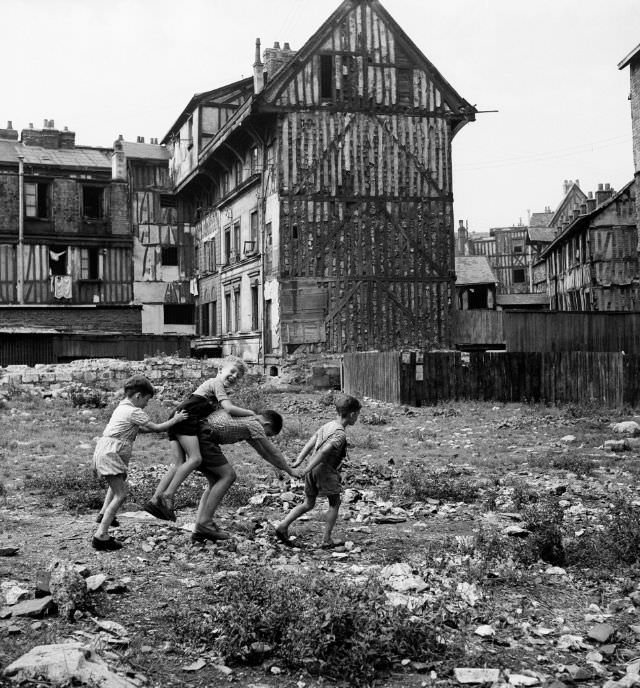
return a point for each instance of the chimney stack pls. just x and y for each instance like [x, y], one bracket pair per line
[119, 161]
[463, 234]
[603, 193]
[9, 133]
[258, 70]
[275, 57]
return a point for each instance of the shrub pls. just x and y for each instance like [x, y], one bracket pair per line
[565, 462]
[338, 630]
[450, 485]
[544, 520]
[86, 397]
[79, 490]
[374, 418]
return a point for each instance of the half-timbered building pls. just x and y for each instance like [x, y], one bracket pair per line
[321, 194]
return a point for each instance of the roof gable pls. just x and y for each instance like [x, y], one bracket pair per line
[574, 196]
[474, 270]
[372, 54]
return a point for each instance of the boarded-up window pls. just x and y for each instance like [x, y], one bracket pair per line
[405, 87]
[179, 314]
[326, 76]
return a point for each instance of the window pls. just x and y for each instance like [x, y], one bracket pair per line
[255, 160]
[190, 132]
[227, 246]
[237, 173]
[36, 200]
[236, 239]
[326, 76]
[179, 314]
[213, 318]
[93, 202]
[404, 87]
[254, 306]
[90, 264]
[254, 230]
[205, 325]
[518, 276]
[236, 310]
[210, 255]
[227, 310]
[58, 260]
[170, 255]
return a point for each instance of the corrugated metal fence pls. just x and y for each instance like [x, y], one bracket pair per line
[612, 379]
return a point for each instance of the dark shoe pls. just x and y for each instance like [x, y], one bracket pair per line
[331, 545]
[284, 538]
[114, 524]
[167, 509]
[109, 545]
[160, 511]
[201, 533]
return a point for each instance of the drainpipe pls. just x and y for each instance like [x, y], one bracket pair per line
[20, 253]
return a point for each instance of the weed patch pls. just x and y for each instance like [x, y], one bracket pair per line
[87, 397]
[564, 462]
[338, 630]
[78, 491]
[450, 485]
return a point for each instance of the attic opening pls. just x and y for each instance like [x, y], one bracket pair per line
[326, 76]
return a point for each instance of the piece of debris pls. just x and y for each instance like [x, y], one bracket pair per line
[516, 531]
[12, 592]
[627, 427]
[568, 439]
[523, 680]
[33, 608]
[6, 551]
[67, 663]
[485, 631]
[616, 445]
[471, 675]
[68, 589]
[601, 632]
[95, 582]
[195, 666]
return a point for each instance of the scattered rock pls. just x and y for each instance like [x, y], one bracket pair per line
[616, 445]
[568, 439]
[601, 632]
[6, 551]
[627, 427]
[12, 592]
[485, 631]
[516, 531]
[523, 680]
[196, 666]
[68, 589]
[95, 582]
[33, 608]
[471, 675]
[69, 663]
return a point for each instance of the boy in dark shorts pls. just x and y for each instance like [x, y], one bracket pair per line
[224, 429]
[210, 396]
[322, 476]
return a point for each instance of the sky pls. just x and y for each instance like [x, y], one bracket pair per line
[110, 67]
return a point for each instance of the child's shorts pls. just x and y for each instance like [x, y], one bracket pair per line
[198, 408]
[322, 481]
[212, 456]
[111, 456]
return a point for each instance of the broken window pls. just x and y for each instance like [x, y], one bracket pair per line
[93, 202]
[518, 276]
[326, 76]
[36, 200]
[170, 255]
[254, 306]
[168, 209]
[58, 260]
[179, 314]
[227, 310]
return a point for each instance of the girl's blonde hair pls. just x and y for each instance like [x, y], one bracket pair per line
[237, 362]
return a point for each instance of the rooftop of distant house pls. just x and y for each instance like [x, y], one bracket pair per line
[473, 270]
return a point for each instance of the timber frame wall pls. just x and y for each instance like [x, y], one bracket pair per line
[366, 210]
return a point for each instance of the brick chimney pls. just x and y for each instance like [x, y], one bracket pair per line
[119, 161]
[463, 236]
[9, 133]
[275, 57]
[591, 202]
[48, 136]
[603, 193]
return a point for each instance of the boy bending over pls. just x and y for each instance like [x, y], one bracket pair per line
[322, 475]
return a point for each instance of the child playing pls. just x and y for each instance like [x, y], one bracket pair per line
[210, 396]
[322, 477]
[113, 451]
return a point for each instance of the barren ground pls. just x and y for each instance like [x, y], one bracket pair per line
[428, 487]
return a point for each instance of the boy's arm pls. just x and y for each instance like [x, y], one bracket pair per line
[270, 453]
[308, 447]
[325, 449]
[161, 427]
[234, 410]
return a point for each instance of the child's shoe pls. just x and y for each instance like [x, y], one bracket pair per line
[108, 545]
[114, 524]
[202, 533]
[165, 507]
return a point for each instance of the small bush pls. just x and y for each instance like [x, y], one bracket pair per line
[450, 485]
[565, 462]
[86, 397]
[338, 630]
[374, 418]
[544, 520]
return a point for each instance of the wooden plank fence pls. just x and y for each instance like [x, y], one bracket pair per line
[417, 378]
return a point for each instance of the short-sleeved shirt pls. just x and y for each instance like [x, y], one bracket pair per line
[332, 434]
[125, 421]
[214, 391]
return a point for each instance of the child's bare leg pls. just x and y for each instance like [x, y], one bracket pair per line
[193, 459]
[332, 517]
[107, 500]
[178, 459]
[118, 487]
[220, 478]
[296, 512]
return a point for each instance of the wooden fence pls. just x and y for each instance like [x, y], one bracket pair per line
[612, 379]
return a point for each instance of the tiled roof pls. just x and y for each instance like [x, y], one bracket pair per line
[541, 234]
[145, 151]
[474, 270]
[59, 157]
[540, 219]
